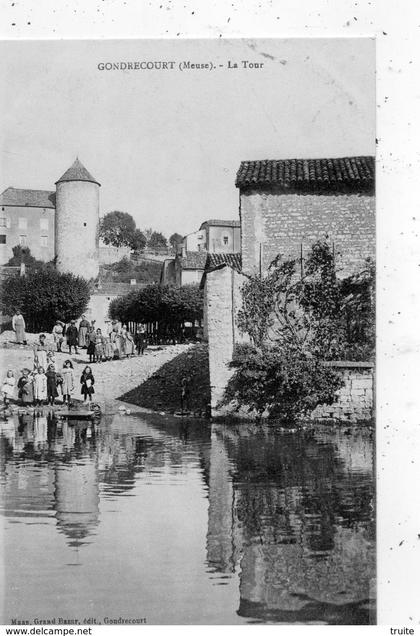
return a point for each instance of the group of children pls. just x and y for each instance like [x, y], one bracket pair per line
[42, 386]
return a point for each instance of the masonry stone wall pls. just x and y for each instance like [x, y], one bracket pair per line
[109, 254]
[76, 228]
[355, 400]
[222, 299]
[280, 223]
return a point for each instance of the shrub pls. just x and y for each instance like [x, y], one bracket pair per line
[44, 296]
[280, 381]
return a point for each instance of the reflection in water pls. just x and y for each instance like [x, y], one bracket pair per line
[230, 524]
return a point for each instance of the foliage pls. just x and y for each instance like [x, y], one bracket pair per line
[174, 240]
[145, 271]
[138, 241]
[280, 381]
[117, 228]
[44, 296]
[297, 317]
[23, 254]
[166, 305]
[312, 311]
[157, 241]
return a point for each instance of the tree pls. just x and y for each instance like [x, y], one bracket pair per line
[44, 296]
[138, 241]
[117, 228]
[157, 241]
[21, 255]
[174, 240]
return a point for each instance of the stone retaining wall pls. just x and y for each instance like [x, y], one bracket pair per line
[355, 401]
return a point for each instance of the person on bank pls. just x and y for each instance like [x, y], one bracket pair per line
[67, 386]
[58, 334]
[18, 326]
[72, 336]
[52, 380]
[83, 332]
[87, 381]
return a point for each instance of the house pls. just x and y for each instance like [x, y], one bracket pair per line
[185, 269]
[285, 207]
[222, 235]
[27, 218]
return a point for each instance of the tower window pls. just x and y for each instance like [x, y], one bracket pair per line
[2, 239]
[225, 240]
[84, 224]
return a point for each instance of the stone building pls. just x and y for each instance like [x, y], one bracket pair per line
[27, 218]
[289, 204]
[285, 207]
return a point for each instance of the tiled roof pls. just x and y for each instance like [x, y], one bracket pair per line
[217, 261]
[193, 260]
[28, 198]
[346, 174]
[221, 223]
[77, 172]
[214, 261]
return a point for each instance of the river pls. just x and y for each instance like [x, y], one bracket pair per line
[160, 520]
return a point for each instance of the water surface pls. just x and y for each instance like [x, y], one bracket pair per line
[147, 517]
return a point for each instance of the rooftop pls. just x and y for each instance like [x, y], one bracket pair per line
[221, 223]
[28, 198]
[342, 174]
[217, 261]
[77, 172]
[193, 260]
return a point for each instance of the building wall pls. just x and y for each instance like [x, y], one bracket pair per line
[109, 254]
[32, 226]
[77, 219]
[195, 242]
[355, 400]
[191, 276]
[216, 242]
[98, 309]
[281, 222]
[223, 299]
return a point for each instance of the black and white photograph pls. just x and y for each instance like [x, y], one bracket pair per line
[187, 345]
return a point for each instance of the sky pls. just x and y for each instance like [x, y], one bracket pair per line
[166, 144]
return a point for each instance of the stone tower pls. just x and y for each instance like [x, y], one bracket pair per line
[77, 221]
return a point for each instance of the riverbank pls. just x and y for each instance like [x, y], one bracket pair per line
[113, 379]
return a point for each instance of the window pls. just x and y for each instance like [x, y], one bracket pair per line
[44, 241]
[225, 240]
[3, 221]
[2, 239]
[43, 224]
[23, 239]
[23, 223]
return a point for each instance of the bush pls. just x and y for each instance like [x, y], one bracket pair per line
[280, 381]
[44, 296]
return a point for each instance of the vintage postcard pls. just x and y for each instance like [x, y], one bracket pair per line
[187, 346]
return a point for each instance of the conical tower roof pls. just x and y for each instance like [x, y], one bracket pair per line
[77, 172]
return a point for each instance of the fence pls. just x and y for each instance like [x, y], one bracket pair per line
[159, 334]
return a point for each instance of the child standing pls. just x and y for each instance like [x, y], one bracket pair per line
[109, 348]
[52, 392]
[87, 381]
[40, 352]
[67, 386]
[40, 386]
[91, 340]
[25, 387]
[8, 387]
[99, 346]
